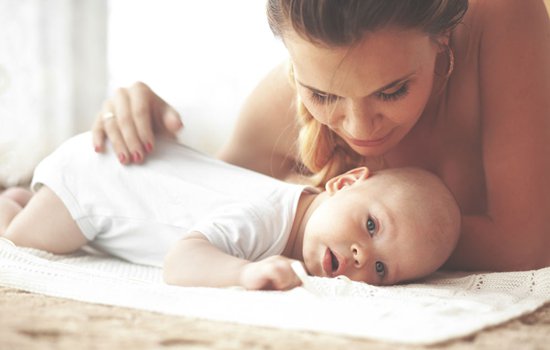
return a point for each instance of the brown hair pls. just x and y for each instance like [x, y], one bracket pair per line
[338, 23]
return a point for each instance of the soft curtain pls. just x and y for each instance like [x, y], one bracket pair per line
[53, 77]
[203, 57]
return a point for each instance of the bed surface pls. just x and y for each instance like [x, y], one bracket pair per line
[38, 321]
[34, 321]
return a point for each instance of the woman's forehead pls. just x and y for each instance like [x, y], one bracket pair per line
[378, 59]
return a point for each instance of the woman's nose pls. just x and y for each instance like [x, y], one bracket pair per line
[362, 121]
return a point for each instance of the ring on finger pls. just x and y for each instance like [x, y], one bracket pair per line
[107, 115]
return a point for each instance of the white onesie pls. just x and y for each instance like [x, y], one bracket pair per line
[137, 212]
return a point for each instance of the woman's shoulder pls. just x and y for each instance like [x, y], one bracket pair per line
[495, 33]
[503, 7]
[502, 16]
[265, 134]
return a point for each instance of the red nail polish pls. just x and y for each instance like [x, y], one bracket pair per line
[136, 157]
[148, 147]
[97, 149]
[122, 158]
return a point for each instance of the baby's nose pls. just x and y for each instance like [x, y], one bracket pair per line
[359, 255]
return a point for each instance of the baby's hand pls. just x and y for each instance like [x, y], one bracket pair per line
[274, 272]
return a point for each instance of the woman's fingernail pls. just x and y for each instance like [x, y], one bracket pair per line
[122, 158]
[136, 157]
[97, 149]
[148, 147]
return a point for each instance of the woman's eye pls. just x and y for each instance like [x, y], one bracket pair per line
[371, 226]
[322, 98]
[396, 94]
[380, 269]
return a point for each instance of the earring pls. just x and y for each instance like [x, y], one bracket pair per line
[451, 55]
[450, 68]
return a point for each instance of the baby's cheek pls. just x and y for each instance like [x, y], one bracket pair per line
[309, 254]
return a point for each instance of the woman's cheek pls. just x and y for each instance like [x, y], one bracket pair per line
[321, 113]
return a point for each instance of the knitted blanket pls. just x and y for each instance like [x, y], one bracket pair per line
[439, 308]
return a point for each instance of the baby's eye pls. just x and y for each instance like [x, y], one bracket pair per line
[371, 226]
[380, 269]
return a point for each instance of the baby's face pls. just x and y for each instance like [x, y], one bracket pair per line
[368, 232]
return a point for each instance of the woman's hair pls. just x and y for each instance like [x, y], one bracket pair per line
[340, 23]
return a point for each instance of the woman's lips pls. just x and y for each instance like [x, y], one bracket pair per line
[370, 143]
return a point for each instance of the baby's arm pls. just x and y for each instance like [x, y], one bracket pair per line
[194, 261]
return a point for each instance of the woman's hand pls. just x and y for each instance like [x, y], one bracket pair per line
[130, 118]
[273, 273]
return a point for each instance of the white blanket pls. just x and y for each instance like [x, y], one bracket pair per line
[440, 308]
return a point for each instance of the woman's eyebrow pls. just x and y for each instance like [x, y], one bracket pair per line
[393, 83]
[316, 90]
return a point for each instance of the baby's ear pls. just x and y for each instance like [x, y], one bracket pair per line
[346, 179]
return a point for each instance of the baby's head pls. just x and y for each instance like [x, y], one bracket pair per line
[391, 226]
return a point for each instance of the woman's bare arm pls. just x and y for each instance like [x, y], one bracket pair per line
[515, 95]
[265, 136]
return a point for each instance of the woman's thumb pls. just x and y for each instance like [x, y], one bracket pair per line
[171, 120]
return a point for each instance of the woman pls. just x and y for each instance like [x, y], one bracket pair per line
[458, 88]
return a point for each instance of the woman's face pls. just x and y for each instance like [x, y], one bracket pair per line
[370, 94]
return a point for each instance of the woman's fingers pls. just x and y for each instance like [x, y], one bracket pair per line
[98, 134]
[142, 101]
[168, 120]
[111, 128]
[135, 114]
[171, 120]
[125, 119]
[107, 125]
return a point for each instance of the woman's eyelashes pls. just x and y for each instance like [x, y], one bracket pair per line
[321, 98]
[391, 95]
[396, 94]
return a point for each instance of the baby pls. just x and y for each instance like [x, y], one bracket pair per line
[209, 223]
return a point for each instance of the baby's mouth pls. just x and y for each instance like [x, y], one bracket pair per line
[330, 263]
[335, 263]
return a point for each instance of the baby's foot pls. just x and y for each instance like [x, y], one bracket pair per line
[19, 195]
